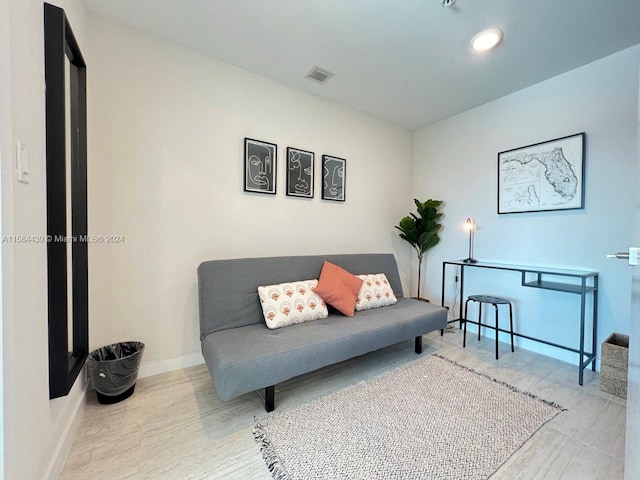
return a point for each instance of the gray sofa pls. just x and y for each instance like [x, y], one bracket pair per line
[243, 355]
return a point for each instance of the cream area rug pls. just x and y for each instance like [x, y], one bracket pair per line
[430, 419]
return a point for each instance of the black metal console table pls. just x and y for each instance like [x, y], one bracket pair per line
[547, 279]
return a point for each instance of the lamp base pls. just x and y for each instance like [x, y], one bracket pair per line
[469, 260]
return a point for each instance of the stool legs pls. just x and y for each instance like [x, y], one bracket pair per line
[511, 326]
[464, 320]
[497, 331]
[480, 324]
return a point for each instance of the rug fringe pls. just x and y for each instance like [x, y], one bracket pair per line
[500, 382]
[271, 458]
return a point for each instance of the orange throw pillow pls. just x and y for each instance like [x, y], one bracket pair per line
[338, 288]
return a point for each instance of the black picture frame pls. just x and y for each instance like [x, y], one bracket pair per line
[260, 166]
[300, 172]
[66, 182]
[542, 177]
[334, 176]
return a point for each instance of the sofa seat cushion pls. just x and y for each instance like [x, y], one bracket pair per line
[252, 357]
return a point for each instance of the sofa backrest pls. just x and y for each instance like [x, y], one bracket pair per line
[228, 289]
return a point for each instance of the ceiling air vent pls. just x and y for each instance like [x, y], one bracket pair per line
[319, 75]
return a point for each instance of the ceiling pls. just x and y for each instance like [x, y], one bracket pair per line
[406, 61]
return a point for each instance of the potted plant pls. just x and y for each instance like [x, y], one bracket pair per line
[421, 230]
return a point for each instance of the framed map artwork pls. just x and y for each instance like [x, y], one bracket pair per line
[542, 177]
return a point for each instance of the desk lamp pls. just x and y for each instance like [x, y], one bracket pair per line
[470, 226]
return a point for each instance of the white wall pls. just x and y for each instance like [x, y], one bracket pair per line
[166, 130]
[5, 153]
[36, 430]
[456, 160]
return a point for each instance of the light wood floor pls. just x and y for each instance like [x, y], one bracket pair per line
[175, 426]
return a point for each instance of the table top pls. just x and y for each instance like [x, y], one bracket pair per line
[526, 268]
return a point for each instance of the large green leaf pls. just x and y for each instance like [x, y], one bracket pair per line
[409, 231]
[428, 240]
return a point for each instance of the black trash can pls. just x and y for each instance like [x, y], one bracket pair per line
[113, 370]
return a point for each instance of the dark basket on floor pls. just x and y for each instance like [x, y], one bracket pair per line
[113, 370]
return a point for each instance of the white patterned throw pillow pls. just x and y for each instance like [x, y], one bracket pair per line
[290, 303]
[375, 292]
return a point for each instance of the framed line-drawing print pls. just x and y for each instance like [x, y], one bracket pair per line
[299, 173]
[333, 178]
[259, 166]
[542, 177]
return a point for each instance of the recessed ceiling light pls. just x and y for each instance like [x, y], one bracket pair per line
[486, 40]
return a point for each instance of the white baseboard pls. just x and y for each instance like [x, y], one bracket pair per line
[154, 367]
[63, 446]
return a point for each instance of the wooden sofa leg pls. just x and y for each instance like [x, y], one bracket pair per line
[269, 398]
[419, 344]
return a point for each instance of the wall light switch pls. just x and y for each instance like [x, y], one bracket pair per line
[22, 161]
